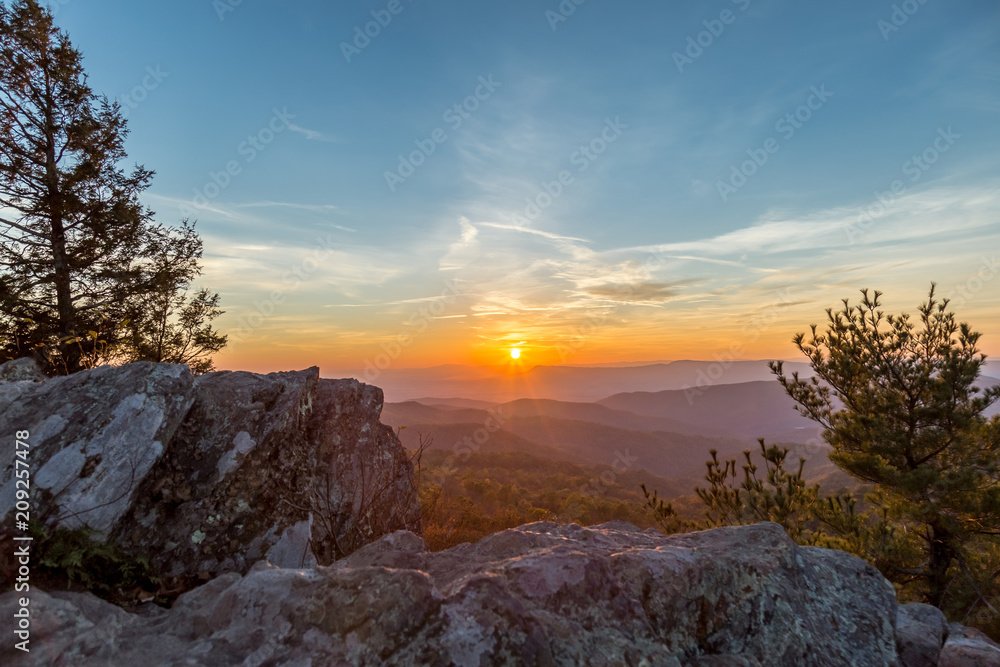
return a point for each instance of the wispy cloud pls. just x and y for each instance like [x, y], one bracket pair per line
[536, 284]
[639, 293]
[282, 204]
[537, 232]
[545, 282]
[915, 215]
[241, 214]
[314, 135]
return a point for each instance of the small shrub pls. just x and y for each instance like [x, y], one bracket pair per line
[75, 558]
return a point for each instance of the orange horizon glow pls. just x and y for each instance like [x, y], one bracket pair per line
[267, 356]
[689, 333]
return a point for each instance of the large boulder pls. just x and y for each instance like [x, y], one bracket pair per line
[208, 475]
[920, 633]
[93, 438]
[542, 594]
[20, 370]
[968, 647]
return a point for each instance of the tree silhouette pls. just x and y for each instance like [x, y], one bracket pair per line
[901, 410]
[81, 260]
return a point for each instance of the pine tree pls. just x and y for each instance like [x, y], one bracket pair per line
[79, 253]
[165, 323]
[899, 405]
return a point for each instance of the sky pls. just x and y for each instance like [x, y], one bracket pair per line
[406, 183]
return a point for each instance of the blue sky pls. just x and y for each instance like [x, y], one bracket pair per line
[652, 248]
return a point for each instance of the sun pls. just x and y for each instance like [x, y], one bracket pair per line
[515, 353]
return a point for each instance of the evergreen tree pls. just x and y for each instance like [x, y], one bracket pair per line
[899, 405]
[780, 495]
[79, 254]
[165, 324]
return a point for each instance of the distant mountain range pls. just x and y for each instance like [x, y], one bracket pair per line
[744, 411]
[667, 432]
[480, 387]
[671, 455]
[563, 383]
[750, 410]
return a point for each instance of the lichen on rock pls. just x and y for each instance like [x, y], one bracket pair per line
[541, 594]
[206, 475]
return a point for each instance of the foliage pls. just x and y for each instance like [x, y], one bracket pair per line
[79, 557]
[485, 492]
[867, 530]
[902, 414]
[166, 324]
[781, 496]
[664, 514]
[83, 267]
[901, 410]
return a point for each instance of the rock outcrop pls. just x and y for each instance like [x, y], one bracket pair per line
[920, 633]
[968, 647]
[541, 594]
[208, 475]
[286, 493]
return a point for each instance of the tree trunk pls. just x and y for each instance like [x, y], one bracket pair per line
[941, 556]
[66, 313]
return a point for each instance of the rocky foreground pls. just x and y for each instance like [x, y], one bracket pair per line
[206, 475]
[542, 594]
[288, 496]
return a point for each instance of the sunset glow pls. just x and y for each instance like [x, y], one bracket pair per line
[435, 310]
[605, 218]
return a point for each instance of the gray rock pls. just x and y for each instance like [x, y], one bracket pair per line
[920, 633]
[723, 661]
[541, 594]
[370, 490]
[208, 475]
[21, 370]
[294, 548]
[967, 647]
[93, 436]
